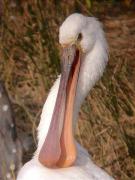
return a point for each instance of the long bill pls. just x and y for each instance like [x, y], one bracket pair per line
[59, 148]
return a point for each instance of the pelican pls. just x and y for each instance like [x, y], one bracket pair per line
[84, 55]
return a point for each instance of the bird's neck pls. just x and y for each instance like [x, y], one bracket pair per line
[91, 70]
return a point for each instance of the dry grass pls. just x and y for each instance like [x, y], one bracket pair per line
[29, 55]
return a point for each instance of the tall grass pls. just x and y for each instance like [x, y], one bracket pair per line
[29, 55]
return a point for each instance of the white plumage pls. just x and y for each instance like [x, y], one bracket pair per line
[94, 60]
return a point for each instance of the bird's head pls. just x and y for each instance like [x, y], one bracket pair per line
[83, 52]
[78, 30]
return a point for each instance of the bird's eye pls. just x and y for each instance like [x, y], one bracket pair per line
[79, 37]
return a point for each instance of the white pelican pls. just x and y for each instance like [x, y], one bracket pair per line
[83, 60]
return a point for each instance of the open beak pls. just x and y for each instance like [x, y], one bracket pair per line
[59, 148]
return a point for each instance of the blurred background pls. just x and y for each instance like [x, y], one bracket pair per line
[29, 64]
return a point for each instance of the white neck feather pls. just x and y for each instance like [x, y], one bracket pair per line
[92, 68]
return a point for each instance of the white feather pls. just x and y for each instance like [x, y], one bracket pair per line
[84, 169]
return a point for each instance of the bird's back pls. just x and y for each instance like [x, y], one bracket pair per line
[84, 169]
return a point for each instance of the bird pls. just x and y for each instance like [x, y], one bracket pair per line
[83, 58]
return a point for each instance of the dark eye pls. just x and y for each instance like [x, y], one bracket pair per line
[79, 37]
